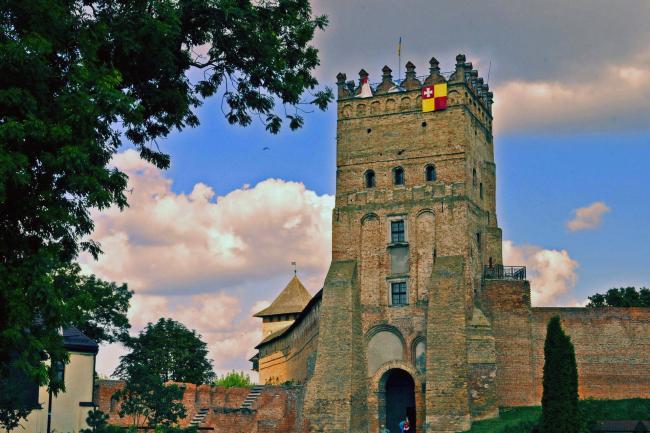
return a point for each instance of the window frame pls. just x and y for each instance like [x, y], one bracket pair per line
[402, 295]
[369, 174]
[431, 167]
[389, 233]
[402, 175]
[400, 232]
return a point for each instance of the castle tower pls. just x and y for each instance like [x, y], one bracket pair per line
[284, 310]
[401, 330]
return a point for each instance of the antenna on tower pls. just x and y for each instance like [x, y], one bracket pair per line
[489, 69]
[295, 270]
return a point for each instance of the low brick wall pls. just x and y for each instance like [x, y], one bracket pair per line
[275, 410]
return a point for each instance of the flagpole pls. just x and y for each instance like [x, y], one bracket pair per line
[399, 62]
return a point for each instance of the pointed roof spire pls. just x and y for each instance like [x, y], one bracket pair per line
[411, 82]
[291, 300]
[386, 80]
[434, 73]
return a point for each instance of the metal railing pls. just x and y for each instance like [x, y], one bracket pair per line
[500, 272]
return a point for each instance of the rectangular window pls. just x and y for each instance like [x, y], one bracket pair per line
[398, 293]
[397, 231]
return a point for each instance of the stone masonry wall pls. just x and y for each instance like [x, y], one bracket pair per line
[447, 405]
[293, 355]
[506, 303]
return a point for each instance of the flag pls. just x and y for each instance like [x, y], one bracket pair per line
[399, 47]
[365, 91]
[434, 97]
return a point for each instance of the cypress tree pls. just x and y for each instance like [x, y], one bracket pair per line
[560, 398]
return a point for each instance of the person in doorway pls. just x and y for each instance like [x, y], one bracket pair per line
[404, 426]
[383, 429]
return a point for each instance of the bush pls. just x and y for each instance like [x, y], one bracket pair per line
[560, 412]
[234, 379]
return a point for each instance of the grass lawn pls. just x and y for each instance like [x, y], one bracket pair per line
[521, 419]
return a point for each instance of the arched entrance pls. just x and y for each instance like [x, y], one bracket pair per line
[398, 399]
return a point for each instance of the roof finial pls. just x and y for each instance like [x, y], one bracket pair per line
[295, 269]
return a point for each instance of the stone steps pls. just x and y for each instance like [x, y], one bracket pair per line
[251, 397]
[199, 417]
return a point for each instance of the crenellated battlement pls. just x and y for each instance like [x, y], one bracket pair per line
[466, 88]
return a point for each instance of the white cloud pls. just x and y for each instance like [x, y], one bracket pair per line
[588, 217]
[552, 273]
[193, 243]
[617, 97]
[209, 262]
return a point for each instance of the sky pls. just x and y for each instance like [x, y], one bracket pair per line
[209, 241]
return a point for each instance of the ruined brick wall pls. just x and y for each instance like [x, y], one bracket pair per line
[612, 348]
[276, 410]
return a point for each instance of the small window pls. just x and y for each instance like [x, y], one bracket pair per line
[398, 293]
[370, 179]
[398, 176]
[474, 177]
[478, 240]
[480, 190]
[397, 231]
[430, 173]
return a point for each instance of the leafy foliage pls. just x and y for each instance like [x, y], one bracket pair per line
[13, 405]
[234, 379]
[169, 350]
[621, 297]
[560, 412]
[98, 423]
[77, 78]
[148, 399]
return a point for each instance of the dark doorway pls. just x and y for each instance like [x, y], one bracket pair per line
[400, 400]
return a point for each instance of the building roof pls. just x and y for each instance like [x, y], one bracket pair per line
[76, 341]
[279, 333]
[292, 299]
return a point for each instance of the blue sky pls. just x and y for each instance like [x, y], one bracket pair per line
[210, 240]
[542, 178]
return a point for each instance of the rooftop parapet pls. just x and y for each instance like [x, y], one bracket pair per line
[464, 73]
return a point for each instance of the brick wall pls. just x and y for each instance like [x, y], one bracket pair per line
[276, 410]
[612, 348]
[506, 303]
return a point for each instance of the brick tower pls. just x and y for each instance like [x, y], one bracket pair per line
[401, 332]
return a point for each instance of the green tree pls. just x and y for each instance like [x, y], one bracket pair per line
[80, 77]
[560, 412]
[148, 400]
[14, 399]
[98, 423]
[95, 307]
[234, 379]
[169, 350]
[621, 297]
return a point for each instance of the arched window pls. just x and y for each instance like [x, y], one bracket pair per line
[430, 173]
[370, 179]
[398, 176]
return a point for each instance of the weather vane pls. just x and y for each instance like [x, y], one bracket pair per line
[295, 271]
